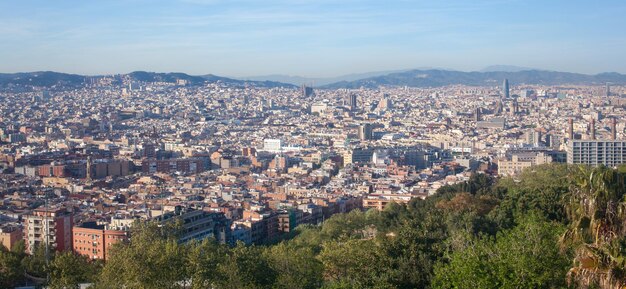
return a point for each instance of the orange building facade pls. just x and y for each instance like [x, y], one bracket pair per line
[95, 241]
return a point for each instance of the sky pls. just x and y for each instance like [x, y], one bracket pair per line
[312, 38]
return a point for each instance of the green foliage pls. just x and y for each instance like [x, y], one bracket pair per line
[10, 268]
[154, 259]
[68, 270]
[246, 267]
[35, 264]
[296, 267]
[526, 256]
[359, 263]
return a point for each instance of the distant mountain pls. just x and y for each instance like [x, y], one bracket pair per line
[318, 81]
[41, 79]
[437, 78]
[51, 79]
[413, 78]
[505, 68]
[197, 80]
[165, 77]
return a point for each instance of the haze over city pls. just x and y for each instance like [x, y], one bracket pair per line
[309, 38]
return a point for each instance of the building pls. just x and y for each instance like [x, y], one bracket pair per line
[353, 102]
[272, 145]
[519, 161]
[358, 156]
[103, 168]
[190, 165]
[48, 226]
[610, 153]
[318, 108]
[365, 132]
[288, 220]
[533, 137]
[9, 236]
[306, 91]
[95, 240]
[494, 123]
[199, 225]
[380, 201]
[17, 138]
[505, 88]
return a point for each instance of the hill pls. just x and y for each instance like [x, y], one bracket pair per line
[52, 80]
[438, 78]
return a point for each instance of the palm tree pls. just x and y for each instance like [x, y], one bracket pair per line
[597, 212]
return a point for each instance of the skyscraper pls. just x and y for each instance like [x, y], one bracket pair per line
[353, 102]
[505, 88]
[306, 91]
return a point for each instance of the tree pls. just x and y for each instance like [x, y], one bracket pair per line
[10, 268]
[360, 263]
[68, 270]
[203, 260]
[246, 267]
[153, 259]
[35, 264]
[526, 256]
[296, 267]
[597, 211]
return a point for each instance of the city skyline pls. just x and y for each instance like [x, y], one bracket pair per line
[309, 38]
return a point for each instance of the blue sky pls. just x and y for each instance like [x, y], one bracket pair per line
[314, 38]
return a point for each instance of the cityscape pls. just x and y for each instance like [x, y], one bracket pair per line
[390, 179]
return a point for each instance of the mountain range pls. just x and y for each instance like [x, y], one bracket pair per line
[318, 81]
[491, 76]
[53, 79]
[437, 78]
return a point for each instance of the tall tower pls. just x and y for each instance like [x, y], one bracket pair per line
[477, 114]
[570, 129]
[608, 89]
[353, 102]
[593, 129]
[365, 131]
[89, 168]
[505, 88]
[306, 91]
[613, 129]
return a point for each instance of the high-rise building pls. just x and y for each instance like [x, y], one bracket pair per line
[477, 114]
[365, 131]
[505, 88]
[51, 227]
[306, 91]
[608, 89]
[353, 102]
[570, 128]
[613, 129]
[610, 153]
